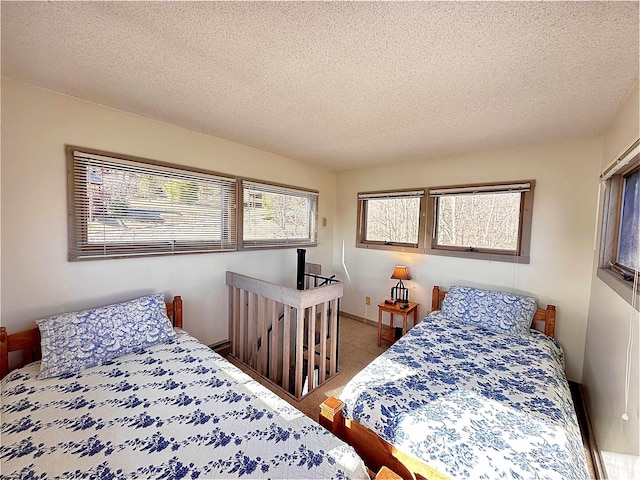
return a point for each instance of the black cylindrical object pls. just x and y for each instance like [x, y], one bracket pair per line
[300, 279]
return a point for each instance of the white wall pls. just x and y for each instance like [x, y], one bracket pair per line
[561, 245]
[608, 332]
[37, 279]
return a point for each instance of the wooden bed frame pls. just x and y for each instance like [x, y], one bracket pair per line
[28, 341]
[375, 451]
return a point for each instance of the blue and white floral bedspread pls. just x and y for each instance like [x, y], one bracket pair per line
[174, 410]
[472, 403]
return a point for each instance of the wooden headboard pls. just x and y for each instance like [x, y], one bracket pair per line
[546, 315]
[28, 341]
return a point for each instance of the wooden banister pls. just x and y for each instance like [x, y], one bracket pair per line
[284, 334]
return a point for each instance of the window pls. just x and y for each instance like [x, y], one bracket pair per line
[275, 215]
[627, 257]
[122, 206]
[488, 221]
[619, 251]
[391, 220]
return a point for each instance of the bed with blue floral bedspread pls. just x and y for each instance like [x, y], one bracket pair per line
[173, 410]
[472, 402]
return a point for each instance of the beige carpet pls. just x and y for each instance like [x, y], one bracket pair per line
[358, 347]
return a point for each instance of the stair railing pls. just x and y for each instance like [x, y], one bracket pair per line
[276, 348]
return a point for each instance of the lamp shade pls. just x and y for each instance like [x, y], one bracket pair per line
[401, 273]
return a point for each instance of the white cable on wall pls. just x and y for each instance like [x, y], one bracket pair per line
[344, 265]
[627, 379]
[595, 231]
[515, 280]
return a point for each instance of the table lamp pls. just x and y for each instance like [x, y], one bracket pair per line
[400, 293]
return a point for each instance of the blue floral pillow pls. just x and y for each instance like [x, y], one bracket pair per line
[498, 311]
[74, 341]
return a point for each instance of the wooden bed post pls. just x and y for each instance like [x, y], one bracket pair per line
[435, 298]
[331, 414]
[4, 353]
[550, 321]
[385, 473]
[375, 452]
[177, 311]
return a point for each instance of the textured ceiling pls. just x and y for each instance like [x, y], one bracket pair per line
[342, 84]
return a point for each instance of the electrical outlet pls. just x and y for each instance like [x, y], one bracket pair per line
[367, 300]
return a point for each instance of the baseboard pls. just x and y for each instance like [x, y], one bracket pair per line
[596, 457]
[360, 319]
[222, 348]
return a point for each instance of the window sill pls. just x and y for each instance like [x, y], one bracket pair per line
[266, 246]
[494, 257]
[622, 287]
[395, 248]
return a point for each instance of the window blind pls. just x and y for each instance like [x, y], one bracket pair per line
[630, 154]
[406, 194]
[123, 207]
[275, 215]
[477, 189]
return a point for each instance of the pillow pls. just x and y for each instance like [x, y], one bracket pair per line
[491, 309]
[74, 341]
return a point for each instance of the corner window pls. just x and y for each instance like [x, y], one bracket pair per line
[277, 215]
[619, 250]
[122, 206]
[627, 254]
[486, 221]
[391, 220]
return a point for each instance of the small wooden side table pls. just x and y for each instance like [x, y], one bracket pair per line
[392, 310]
